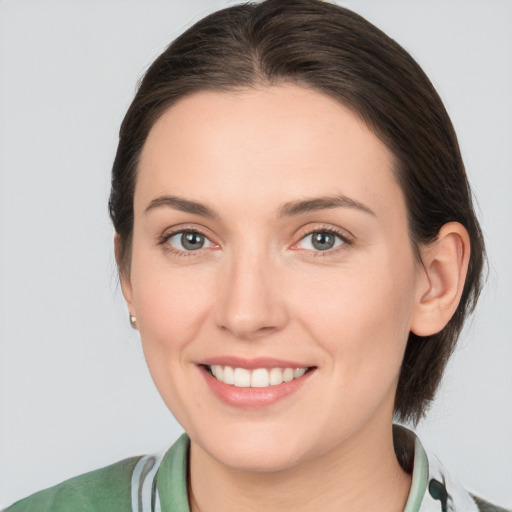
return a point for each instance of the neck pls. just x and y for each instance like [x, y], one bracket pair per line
[363, 474]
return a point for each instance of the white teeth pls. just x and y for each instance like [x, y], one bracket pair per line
[229, 375]
[242, 378]
[218, 371]
[288, 375]
[276, 376]
[299, 372]
[258, 378]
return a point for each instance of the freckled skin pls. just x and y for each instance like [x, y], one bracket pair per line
[259, 289]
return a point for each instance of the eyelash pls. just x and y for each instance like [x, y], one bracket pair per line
[345, 239]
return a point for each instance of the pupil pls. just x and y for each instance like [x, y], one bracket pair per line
[323, 241]
[192, 241]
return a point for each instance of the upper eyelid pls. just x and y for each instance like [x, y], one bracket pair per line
[171, 231]
[344, 234]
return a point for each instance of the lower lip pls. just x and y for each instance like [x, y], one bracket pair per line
[252, 398]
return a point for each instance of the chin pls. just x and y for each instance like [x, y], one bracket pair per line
[258, 460]
[257, 451]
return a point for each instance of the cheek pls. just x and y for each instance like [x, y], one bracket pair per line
[171, 305]
[361, 316]
[171, 311]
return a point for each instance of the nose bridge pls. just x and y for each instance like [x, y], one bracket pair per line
[250, 304]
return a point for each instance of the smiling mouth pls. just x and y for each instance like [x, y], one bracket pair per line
[257, 378]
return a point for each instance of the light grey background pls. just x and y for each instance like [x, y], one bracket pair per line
[74, 391]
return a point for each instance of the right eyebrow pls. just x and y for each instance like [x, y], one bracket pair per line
[321, 203]
[184, 205]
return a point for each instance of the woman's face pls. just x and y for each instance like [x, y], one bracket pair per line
[270, 233]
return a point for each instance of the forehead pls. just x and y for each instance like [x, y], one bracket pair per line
[264, 145]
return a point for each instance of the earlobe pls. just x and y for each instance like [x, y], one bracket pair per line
[440, 286]
[124, 277]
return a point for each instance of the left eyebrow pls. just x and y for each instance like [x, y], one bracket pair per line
[182, 204]
[321, 203]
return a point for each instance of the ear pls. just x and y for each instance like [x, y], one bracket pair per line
[124, 276]
[440, 285]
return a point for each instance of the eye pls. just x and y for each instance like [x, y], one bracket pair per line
[322, 240]
[186, 241]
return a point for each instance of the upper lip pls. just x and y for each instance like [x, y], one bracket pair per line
[251, 364]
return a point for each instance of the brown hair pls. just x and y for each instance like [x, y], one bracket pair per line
[337, 52]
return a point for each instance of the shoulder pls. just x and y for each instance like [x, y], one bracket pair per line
[485, 506]
[108, 488]
[448, 492]
[131, 484]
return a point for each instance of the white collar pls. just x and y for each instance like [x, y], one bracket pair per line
[433, 489]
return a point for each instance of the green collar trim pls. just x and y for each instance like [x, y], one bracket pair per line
[172, 477]
[419, 477]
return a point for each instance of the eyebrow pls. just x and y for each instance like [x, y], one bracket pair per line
[288, 209]
[184, 205]
[321, 203]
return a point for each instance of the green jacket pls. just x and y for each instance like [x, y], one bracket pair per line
[159, 484]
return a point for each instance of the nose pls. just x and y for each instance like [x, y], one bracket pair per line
[251, 302]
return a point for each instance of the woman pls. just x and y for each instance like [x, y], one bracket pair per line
[298, 249]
